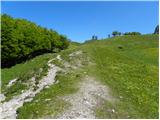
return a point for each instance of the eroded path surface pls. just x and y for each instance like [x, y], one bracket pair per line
[8, 109]
[83, 103]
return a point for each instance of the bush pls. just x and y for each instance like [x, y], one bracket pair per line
[116, 33]
[132, 33]
[22, 39]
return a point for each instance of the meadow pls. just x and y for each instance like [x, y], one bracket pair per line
[127, 64]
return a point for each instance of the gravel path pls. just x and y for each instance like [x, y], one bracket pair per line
[8, 109]
[90, 94]
[83, 103]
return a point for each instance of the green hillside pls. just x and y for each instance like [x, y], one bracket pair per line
[128, 65]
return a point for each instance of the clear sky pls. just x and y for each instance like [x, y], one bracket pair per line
[80, 20]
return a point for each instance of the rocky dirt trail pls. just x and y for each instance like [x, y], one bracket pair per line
[90, 94]
[8, 109]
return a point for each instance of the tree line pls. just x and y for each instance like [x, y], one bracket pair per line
[22, 40]
[116, 33]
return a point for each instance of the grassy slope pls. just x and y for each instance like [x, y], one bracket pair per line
[130, 72]
[67, 85]
[25, 71]
[28, 67]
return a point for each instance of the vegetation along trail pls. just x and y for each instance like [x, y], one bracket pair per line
[45, 75]
[10, 107]
[83, 103]
[98, 79]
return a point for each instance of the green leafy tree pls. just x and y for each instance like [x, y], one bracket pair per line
[119, 33]
[22, 39]
[115, 33]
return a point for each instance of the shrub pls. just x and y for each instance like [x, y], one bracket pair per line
[132, 33]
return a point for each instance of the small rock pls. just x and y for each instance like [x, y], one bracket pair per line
[22, 91]
[11, 82]
[113, 110]
[47, 99]
[2, 97]
[47, 86]
[84, 99]
[28, 100]
[87, 102]
[59, 57]
[57, 81]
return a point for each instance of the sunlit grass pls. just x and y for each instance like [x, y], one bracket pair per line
[130, 72]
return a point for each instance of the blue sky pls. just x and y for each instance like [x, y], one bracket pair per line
[80, 20]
